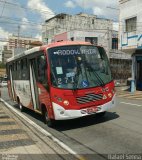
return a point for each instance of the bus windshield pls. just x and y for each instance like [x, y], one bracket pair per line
[79, 66]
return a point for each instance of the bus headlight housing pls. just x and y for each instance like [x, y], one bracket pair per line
[104, 96]
[59, 99]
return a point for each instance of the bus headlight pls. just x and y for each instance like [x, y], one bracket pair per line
[109, 95]
[66, 102]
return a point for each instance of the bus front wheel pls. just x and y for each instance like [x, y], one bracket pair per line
[47, 120]
[20, 105]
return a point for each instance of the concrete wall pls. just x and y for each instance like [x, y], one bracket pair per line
[7, 54]
[102, 37]
[61, 37]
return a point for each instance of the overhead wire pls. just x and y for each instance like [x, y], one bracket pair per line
[27, 8]
[34, 24]
[3, 8]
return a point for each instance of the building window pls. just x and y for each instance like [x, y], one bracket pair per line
[72, 38]
[92, 21]
[114, 43]
[131, 24]
[92, 40]
[41, 68]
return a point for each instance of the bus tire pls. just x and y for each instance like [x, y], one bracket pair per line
[20, 106]
[101, 114]
[50, 122]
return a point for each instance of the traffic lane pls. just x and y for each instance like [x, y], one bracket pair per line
[122, 134]
[115, 136]
[101, 136]
[114, 133]
[62, 127]
[128, 100]
[118, 132]
[133, 108]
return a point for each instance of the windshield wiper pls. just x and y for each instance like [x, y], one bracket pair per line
[99, 78]
[90, 69]
[53, 77]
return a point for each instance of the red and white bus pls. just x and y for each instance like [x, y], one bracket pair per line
[62, 80]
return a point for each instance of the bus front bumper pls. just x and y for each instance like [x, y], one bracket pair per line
[61, 114]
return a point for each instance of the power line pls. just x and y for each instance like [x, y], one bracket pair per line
[17, 19]
[30, 23]
[34, 24]
[113, 8]
[3, 8]
[27, 8]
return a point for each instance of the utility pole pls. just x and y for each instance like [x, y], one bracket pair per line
[108, 41]
[18, 46]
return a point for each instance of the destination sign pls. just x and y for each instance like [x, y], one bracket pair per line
[76, 51]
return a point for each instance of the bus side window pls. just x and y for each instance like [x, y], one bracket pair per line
[19, 70]
[42, 69]
[24, 69]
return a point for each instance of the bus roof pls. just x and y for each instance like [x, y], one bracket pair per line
[65, 43]
[44, 47]
[30, 51]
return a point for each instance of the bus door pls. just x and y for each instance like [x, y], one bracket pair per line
[33, 84]
[11, 89]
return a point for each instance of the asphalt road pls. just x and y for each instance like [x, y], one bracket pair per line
[118, 132]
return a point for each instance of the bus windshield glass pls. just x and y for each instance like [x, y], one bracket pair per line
[79, 66]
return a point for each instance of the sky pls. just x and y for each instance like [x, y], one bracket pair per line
[29, 15]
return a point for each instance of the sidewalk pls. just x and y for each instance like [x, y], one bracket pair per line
[19, 142]
[124, 92]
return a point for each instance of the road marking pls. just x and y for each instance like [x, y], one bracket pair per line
[132, 104]
[40, 129]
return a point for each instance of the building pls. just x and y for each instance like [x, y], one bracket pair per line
[17, 45]
[19, 42]
[131, 36]
[1, 49]
[130, 25]
[33, 44]
[118, 62]
[6, 55]
[82, 27]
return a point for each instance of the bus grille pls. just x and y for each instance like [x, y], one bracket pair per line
[89, 98]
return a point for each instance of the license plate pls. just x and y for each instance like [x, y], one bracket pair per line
[91, 110]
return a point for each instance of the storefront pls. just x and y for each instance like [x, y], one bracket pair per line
[137, 69]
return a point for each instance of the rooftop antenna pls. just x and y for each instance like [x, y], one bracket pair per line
[18, 37]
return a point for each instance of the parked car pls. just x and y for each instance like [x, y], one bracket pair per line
[3, 84]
